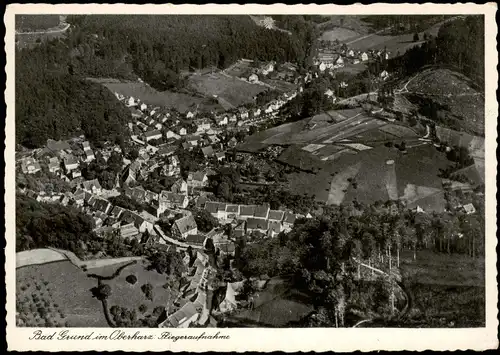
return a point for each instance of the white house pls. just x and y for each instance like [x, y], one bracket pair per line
[190, 114]
[130, 101]
[322, 67]
[243, 113]
[256, 113]
[221, 121]
[384, 75]
[253, 78]
[182, 131]
[350, 53]
[143, 107]
[364, 57]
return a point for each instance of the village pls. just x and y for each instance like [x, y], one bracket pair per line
[283, 146]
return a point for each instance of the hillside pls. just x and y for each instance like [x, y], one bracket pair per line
[448, 98]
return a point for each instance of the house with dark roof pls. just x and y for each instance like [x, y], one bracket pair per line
[288, 221]
[166, 150]
[184, 226]
[261, 211]
[212, 208]
[195, 239]
[257, 224]
[168, 199]
[102, 205]
[129, 231]
[141, 223]
[208, 152]
[247, 211]
[232, 211]
[54, 164]
[276, 215]
[92, 186]
[137, 193]
[198, 179]
[70, 163]
[117, 212]
[220, 156]
[274, 228]
[151, 135]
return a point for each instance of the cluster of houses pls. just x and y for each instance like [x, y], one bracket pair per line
[58, 157]
[335, 58]
[251, 219]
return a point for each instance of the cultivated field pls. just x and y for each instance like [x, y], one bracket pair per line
[43, 298]
[148, 95]
[30, 23]
[237, 92]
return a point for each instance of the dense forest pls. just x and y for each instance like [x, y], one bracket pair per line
[42, 225]
[459, 44]
[403, 23]
[53, 99]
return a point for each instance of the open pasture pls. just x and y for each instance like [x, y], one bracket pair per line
[236, 91]
[182, 102]
[338, 33]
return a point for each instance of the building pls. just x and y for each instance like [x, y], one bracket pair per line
[89, 155]
[184, 226]
[232, 211]
[364, 57]
[253, 78]
[198, 179]
[221, 121]
[30, 166]
[136, 193]
[288, 221]
[70, 163]
[274, 228]
[261, 212]
[92, 186]
[54, 165]
[257, 224]
[276, 215]
[117, 211]
[247, 211]
[220, 156]
[208, 152]
[129, 231]
[172, 200]
[152, 135]
[212, 208]
[179, 187]
[469, 208]
[141, 223]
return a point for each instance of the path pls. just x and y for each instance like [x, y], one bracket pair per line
[45, 32]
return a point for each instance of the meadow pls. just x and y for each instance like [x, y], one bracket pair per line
[182, 102]
[236, 91]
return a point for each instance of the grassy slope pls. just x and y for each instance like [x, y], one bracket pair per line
[448, 290]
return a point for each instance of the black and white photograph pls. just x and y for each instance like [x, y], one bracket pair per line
[250, 171]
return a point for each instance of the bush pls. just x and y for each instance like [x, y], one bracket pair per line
[147, 289]
[131, 279]
[143, 308]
